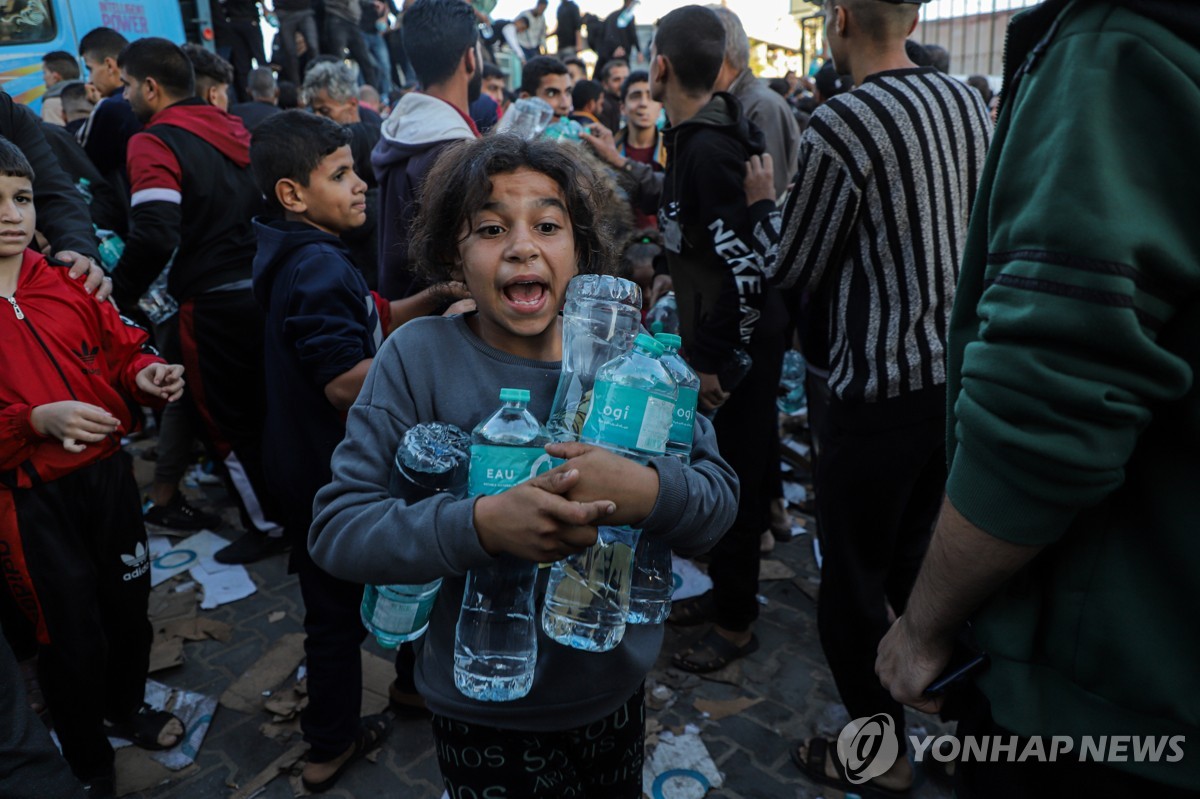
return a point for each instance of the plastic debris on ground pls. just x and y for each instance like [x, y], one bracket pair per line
[680, 767]
[795, 493]
[689, 580]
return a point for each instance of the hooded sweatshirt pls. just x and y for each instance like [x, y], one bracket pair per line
[322, 320]
[1073, 354]
[60, 344]
[414, 134]
[716, 263]
[193, 196]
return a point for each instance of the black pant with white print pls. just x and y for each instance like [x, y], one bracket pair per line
[601, 760]
[85, 549]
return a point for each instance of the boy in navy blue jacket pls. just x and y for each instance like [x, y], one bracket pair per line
[323, 328]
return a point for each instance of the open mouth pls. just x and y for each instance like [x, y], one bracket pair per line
[526, 294]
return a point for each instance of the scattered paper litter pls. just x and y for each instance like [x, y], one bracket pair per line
[798, 529]
[774, 570]
[798, 447]
[182, 555]
[717, 709]
[221, 587]
[193, 709]
[276, 767]
[689, 580]
[817, 552]
[276, 616]
[795, 493]
[680, 767]
[267, 673]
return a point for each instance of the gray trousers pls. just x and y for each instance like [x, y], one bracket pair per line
[289, 23]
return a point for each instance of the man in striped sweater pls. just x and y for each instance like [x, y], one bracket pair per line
[873, 232]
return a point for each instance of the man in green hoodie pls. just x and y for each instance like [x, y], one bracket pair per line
[1069, 529]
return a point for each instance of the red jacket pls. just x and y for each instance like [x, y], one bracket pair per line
[58, 343]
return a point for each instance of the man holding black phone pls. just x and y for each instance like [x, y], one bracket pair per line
[872, 233]
[731, 320]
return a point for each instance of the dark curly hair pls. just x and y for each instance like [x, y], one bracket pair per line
[459, 186]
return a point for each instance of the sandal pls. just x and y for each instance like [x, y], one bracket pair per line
[405, 704]
[813, 767]
[719, 652]
[372, 730]
[693, 610]
[144, 725]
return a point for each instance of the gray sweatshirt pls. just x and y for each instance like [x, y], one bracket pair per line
[436, 369]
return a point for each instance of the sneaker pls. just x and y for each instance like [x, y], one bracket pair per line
[179, 515]
[251, 547]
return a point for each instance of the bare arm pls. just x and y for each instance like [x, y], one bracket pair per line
[342, 390]
[425, 303]
[963, 567]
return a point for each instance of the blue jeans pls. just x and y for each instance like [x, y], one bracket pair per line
[383, 62]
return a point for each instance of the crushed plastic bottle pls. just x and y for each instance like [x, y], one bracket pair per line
[664, 316]
[601, 317]
[526, 119]
[564, 130]
[157, 303]
[433, 458]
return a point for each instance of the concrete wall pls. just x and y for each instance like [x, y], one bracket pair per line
[976, 43]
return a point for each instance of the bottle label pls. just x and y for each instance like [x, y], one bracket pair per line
[685, 415]
[495, 469]
[628, 418]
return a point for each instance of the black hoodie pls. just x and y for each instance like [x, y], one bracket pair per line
[322, 320]
[725, 302]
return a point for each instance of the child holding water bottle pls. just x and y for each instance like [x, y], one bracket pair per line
[515, 221]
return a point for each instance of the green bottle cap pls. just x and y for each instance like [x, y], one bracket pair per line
[514, 395]
[648, 344]
[670, 341]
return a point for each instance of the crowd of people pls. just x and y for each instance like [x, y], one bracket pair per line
[290, 260]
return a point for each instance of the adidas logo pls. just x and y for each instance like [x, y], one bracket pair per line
[88, 355]
[139, 562]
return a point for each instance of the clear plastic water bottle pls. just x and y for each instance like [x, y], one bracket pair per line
[587, 597]
[564, 130]
[679, 442]
[157, 303]
[112, 247]
[792, 397]
[526, 119]
[495, 643]
[601, 317]
[626, 16]
[664, 316]
[653, 578]
[432, 459]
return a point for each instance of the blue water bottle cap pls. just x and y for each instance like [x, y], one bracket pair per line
[648, 344]
[514, 395]
[670, 341]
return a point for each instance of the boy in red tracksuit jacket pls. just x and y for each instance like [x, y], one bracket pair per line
[72, 543]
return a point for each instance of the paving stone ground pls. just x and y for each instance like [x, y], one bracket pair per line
[788, 674]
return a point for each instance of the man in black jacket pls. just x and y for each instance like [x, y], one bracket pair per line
[731, 320]
[189, 154]
[105, 136]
